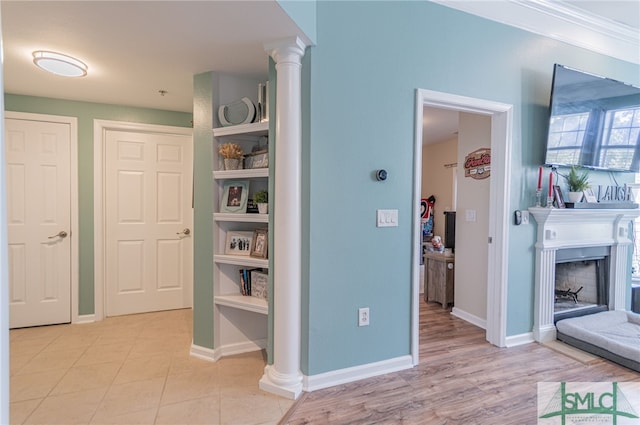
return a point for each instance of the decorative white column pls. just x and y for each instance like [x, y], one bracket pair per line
[543, 327]
[283, 377]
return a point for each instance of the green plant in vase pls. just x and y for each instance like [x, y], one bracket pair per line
[261, 198]
[578, 182]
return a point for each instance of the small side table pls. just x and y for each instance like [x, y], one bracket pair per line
[439, 278]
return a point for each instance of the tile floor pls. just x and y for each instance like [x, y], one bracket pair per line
[133, 370]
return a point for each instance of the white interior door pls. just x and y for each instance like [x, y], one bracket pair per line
[148, 222]
[39, 221]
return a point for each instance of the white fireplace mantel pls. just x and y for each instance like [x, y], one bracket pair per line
[576, 228]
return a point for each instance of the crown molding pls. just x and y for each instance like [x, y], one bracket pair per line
[559, 21]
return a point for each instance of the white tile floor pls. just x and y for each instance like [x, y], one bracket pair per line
[133, 370]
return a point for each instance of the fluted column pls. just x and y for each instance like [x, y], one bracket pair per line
[283, 377]
[543, 327]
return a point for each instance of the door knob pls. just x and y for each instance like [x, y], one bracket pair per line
[61, 234]
[185, 232]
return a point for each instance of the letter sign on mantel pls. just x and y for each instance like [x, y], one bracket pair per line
[477, 164]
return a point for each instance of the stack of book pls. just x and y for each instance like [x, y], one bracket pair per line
[254, 282]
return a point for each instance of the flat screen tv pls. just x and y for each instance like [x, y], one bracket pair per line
[594, 122]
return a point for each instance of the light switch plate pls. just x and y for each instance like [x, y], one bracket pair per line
[387, 218]
[470, 215]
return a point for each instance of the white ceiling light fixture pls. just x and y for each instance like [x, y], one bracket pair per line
[59, 64]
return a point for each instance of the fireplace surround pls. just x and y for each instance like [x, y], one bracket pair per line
[560, 229]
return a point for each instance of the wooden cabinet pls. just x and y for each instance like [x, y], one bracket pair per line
[439, 278]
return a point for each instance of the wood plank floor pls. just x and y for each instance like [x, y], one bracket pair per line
[461, 379]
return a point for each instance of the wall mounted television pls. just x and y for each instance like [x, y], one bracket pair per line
[594, 122]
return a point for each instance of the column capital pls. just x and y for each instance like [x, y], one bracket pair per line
[289, 49]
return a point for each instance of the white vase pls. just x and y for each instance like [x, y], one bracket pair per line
[263, 208]
[575, 197]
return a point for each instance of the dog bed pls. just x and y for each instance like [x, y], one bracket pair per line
[614, 335]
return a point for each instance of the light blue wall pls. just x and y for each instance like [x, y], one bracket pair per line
[86, 112]
[369, 60]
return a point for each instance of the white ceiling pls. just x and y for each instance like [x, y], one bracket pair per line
[136, 48]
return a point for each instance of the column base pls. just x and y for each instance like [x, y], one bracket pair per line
[545, 333]
[283, 385]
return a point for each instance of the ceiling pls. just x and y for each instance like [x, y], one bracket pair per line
[135, 49]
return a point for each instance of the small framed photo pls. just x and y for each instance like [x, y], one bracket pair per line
[589, 196]
[234, 196]
[238, 243]
[557, 197]
[260, 243]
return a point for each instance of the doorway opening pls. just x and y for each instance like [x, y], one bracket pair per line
[498, 256]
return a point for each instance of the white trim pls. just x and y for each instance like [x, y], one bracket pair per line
[515, 340]
[85, 318]
[351, 374]
[215, 354]
[204, 353]
[468, 317]
[73, 188]
[498, 255]
[240, 348]
[100, 128]
[559, 21]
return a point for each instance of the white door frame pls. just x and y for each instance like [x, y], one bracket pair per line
[100, 127]
[73, 164]
[498, 255]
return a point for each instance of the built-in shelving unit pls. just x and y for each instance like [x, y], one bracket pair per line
[240, 321]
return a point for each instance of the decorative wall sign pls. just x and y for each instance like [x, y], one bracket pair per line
[477, 164]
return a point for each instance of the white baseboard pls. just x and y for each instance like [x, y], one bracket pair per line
[526, 338]
[468, 317]
[85, 318]
[351, 374]
[214, 354]
[203, 353]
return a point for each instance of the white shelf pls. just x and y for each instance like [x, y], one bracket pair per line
[253, 129]
[240, 260]
[248, 303]
[252, 173]
[241, 218]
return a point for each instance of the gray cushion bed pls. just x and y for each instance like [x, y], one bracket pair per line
[614, 335]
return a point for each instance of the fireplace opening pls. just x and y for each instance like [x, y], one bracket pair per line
[581, 281]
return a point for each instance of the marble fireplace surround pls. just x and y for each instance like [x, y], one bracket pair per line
[562, 228]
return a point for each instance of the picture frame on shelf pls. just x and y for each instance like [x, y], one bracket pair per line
[259, 243]
[259, 284]
[234, 196]
[238, 243]
[589, 195]
[558, 199]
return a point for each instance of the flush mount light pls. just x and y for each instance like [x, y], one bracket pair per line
[59, 64]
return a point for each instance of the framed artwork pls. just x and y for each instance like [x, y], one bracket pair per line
[238, 243]
[260, 243]
[234, 196]
[589, 196]
[557, 197]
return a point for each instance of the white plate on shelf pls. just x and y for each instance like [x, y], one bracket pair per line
[242, 111]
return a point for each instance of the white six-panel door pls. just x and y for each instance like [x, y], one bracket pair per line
[148, 222]
[39, 221]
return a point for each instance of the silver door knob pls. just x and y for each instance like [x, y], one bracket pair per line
[61, 234]
[184, 232]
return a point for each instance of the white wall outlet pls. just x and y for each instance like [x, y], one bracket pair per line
[525, 217]
[363, 316]
[387, 218]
